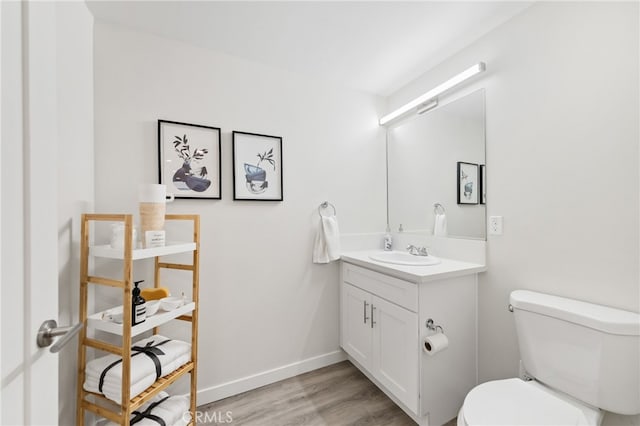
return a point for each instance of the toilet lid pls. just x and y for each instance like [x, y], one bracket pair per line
[516, 402]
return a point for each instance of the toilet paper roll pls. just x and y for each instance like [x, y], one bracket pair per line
[435, 343]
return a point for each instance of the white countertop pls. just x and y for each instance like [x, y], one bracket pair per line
[448, 268]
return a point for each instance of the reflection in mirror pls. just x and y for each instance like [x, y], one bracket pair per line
[423, 156]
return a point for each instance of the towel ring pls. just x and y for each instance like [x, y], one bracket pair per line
[325, 205]
[435, 208]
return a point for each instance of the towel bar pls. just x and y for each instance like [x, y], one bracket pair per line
[325, 205]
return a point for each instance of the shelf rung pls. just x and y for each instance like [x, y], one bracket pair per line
[107, 347]
[105, 281]
[185, 318]
[106, 217]
[161, 384]
[101, 411]
[175, 266]
[180, 216]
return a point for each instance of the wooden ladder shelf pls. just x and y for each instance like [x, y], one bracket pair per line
[96, 403]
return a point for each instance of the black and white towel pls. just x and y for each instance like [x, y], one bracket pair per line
[161, 410]
[151, 358]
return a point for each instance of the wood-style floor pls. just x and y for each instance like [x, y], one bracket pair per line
[338, 395]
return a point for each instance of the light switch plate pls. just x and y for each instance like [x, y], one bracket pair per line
[495, 225]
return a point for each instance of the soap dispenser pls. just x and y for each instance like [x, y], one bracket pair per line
[388, 241]
[139, 307]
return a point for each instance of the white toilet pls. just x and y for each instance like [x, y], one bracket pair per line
[582, 358]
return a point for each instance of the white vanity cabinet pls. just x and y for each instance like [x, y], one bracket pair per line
[357, 328]
[381, 333]
[381, 337]
[382, 330]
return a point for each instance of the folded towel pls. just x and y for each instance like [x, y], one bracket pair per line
[151, 358]
[440, 225]
[170, 410]
[326, 246]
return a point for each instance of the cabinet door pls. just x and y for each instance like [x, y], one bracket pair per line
[396, 350]
[356, 324]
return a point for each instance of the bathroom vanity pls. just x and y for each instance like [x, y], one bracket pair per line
[388, 300]
[384, 313]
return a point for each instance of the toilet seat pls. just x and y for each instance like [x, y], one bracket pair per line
[516, 402]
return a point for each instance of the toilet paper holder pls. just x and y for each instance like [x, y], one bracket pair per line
[432, 326]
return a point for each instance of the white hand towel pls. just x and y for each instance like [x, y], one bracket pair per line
[326, 246]
[440, 225]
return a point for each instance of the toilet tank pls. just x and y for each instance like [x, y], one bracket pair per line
[589, 351]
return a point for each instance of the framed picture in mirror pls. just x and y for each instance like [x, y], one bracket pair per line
[483, 184]
[468, 188]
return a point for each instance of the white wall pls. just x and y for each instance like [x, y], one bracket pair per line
[263, 304]
[74, 32]
[562, 161]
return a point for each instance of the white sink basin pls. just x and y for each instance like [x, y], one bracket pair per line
[404, 258]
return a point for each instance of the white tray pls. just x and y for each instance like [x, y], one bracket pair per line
[95, 321]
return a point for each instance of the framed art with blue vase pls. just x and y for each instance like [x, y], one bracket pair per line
[189, 159]
[257, 167]
[468, 187]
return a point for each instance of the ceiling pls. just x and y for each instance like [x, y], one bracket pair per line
[373, 46]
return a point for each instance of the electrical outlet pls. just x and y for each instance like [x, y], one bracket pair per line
[495, 225]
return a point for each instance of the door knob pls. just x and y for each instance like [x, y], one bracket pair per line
[49, 329]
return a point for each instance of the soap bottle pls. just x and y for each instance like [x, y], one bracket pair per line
[388, 241]
[139, 307]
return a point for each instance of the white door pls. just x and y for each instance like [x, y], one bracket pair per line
[356, 324]
[29, 200]
[396, 350]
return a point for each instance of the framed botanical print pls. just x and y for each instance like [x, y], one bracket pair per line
[189, 159]
[467, 183]
[257, 167]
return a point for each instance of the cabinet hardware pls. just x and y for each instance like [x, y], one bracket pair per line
[372, 321]
[364, 311]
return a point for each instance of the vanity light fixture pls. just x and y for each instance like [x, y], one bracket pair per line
[426, 102]
[427, 106]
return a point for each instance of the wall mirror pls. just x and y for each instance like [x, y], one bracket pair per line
[423, 153]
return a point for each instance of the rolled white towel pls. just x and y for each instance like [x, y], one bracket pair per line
[326, 246]
[174, 411]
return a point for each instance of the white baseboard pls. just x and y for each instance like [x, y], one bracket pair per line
[234, 387]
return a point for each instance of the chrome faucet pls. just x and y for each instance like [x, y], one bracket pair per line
[417, 251]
